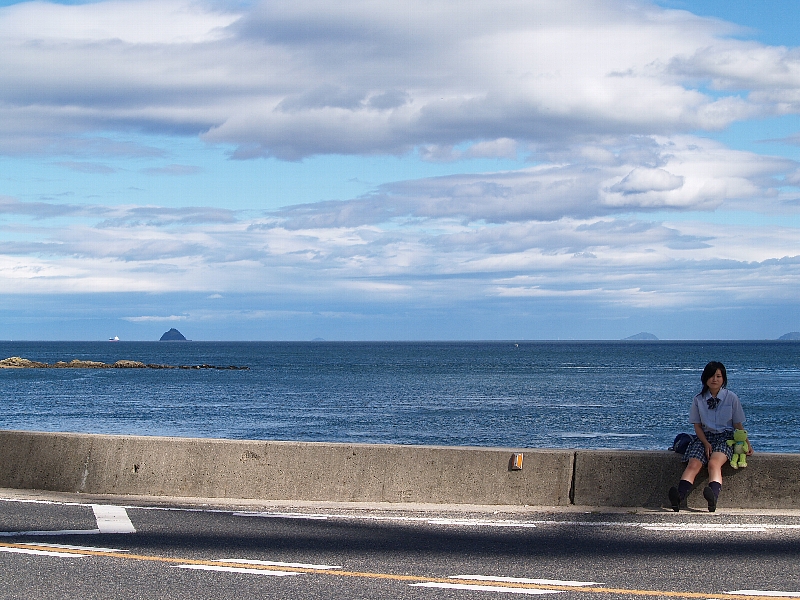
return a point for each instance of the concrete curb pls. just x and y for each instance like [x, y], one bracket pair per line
[642, 478]
[307, 471]
[211, 468]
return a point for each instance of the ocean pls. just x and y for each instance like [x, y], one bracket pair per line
[591, 395]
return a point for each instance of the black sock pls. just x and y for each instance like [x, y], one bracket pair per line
[716, 487]
[684, 487]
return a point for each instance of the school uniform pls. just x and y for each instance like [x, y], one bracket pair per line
[716, 416]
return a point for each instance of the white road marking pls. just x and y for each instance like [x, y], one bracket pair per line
[684, 526]
[269, 515]
[69, 547]
[112, 519]
[655, 526]
[716, 527]
[42, 552]
[49, 533]
[765, 593]
[434, 521]
[526, 580]
[484, 588]
[650, 526]
[480, 523]
[593, 523]
[236, 570]
[271, 563]
[31, 501]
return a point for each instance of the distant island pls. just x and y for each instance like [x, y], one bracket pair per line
[792, 336]
[641, 336]
[173, 335]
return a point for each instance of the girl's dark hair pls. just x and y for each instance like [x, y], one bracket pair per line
[709, 371]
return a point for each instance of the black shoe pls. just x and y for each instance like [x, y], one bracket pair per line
[674, 498]
[708, 494]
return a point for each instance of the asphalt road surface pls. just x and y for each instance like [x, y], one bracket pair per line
[59, 549]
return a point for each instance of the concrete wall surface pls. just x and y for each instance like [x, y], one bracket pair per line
[642, 478]
[110, 464]
[211, 468]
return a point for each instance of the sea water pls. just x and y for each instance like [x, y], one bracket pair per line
[628, 395]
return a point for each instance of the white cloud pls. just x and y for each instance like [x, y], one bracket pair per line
[683, 172]
[129, 22]
[175, 170]
[500, 148]
[642, 180]
[598, 94]
[297, 78]
[571, 230]
[87, 167]
[155, 319]
[770, 74]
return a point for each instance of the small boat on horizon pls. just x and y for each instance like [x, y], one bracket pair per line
[114, 339]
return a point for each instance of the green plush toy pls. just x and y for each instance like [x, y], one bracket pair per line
[740, 448]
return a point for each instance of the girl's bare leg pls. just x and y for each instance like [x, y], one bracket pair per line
[711, 492]
[715, 466]
[694, 466]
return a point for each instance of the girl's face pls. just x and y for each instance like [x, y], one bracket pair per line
[714, 382]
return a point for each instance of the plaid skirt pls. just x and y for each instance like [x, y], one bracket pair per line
[718, 443]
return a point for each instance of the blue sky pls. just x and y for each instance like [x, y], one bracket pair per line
[290, 170]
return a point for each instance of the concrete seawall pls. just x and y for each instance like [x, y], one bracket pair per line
[103, 464]
[210, 468]
[642, 478]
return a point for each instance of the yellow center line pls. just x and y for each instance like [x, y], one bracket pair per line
[392, 576]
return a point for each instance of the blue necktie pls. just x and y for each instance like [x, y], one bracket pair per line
[712, 403]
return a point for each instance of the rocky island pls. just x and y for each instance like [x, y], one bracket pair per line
[173, 335]
[643, 336]
[792, 336]
[15, 362]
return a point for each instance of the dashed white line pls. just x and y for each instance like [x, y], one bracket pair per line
[719, 528]
[593, 523]
[480, 523]
[484, 588]
[271, 563]
[41, 552]
[271, 515]
[49, 533]
[432, 521]
[766, 593]
[236, 570]
[465, 522]
[70, 547]
[526, 580]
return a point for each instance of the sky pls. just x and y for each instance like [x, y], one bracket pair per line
[404, 170]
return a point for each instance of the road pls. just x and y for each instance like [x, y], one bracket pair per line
[60, 549]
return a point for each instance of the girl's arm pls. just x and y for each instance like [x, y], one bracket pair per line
[698, 431]
[749, 445]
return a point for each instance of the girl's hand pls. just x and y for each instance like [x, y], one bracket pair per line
[749, 449]
[708, 449]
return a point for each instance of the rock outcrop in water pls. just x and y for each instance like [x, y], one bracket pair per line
[173, 335]
[792, 336]
[15, 362]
